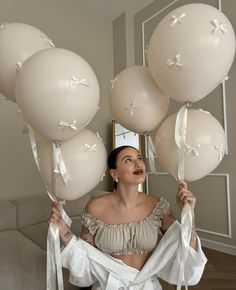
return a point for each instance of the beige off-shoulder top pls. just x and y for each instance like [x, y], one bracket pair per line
[128, 238]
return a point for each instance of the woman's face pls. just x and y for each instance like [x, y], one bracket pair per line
[130, 168]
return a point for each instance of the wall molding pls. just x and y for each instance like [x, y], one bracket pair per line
[224, 248]
[228, 208]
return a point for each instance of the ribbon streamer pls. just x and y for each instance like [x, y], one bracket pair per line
[54, 265]
[54, 268]
[180, 138]
[186, 215]
[59, 164]
[151, 152]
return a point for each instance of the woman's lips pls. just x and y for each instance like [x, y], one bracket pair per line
[138, 172]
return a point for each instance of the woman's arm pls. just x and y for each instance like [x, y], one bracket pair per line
[56, 218]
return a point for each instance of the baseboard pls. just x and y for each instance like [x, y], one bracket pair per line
[228, 249]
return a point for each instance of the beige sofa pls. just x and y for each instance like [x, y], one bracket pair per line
[23, 235]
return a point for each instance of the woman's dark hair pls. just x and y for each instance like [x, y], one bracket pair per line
[112, 158]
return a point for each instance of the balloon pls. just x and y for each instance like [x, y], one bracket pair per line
[135, 100]
[204, 146]
[191, 51]
[18, 41]
[57, 92]
[85, 158]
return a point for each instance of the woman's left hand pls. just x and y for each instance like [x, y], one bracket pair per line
[184, 195]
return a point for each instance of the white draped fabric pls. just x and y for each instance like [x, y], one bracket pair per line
[89, 266]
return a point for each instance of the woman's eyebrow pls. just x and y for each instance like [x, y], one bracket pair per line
[139, 155]
[126, 157]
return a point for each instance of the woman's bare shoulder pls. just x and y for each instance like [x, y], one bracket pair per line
[97, 204]
[152, 199]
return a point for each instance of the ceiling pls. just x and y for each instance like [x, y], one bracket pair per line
[114, 8]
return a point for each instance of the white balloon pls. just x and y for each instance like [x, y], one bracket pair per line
[204, 146]
[18, 41]
[191, 51]
[85, 159]
[135, 100]
[57, 92]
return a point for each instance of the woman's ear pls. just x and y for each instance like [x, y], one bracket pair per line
[113, 174]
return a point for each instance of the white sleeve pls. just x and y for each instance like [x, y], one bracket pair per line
[75, 259]
[170, 271]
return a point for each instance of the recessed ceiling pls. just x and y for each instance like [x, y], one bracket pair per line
[114, 8]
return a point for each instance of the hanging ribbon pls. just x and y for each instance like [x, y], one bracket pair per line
[186, 215]
[151, 151]
[54, 265]
[59, 165]
[54, 268]
[180, 138]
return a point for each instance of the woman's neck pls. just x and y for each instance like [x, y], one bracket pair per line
[128, 196]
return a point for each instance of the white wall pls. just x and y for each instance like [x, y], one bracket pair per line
[71, 25]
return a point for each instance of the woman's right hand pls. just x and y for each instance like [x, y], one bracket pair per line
[56, 218]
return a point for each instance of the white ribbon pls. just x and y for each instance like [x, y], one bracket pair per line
[192, 149]
[25, 126]
[220, 149]
[90, 147]
[131, 108]
[151, 152]
[113, 82]
[180, 138]
[59, 164]
[54, 265]
[69, 125]
[186, 215]
[219, 26]
[186, 231]
[54, 268]
[48, 40]
[175, 63]
[75, 81]
[176, 20]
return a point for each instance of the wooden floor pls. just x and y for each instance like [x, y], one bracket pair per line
[219, 274]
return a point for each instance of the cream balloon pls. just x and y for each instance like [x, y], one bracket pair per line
[85, 159]
[135, 100]
[18, 41]
[204, 146]
[191, 51]
[57, 92]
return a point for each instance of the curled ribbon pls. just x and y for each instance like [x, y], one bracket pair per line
[69, 125]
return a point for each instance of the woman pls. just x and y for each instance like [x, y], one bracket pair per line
[124, 224]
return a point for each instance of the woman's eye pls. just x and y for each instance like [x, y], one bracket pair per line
[128, 160]
[140, 158]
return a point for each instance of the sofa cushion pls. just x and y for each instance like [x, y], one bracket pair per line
[38, 233]
[32, 210]
[8, 219]
[22, 263]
